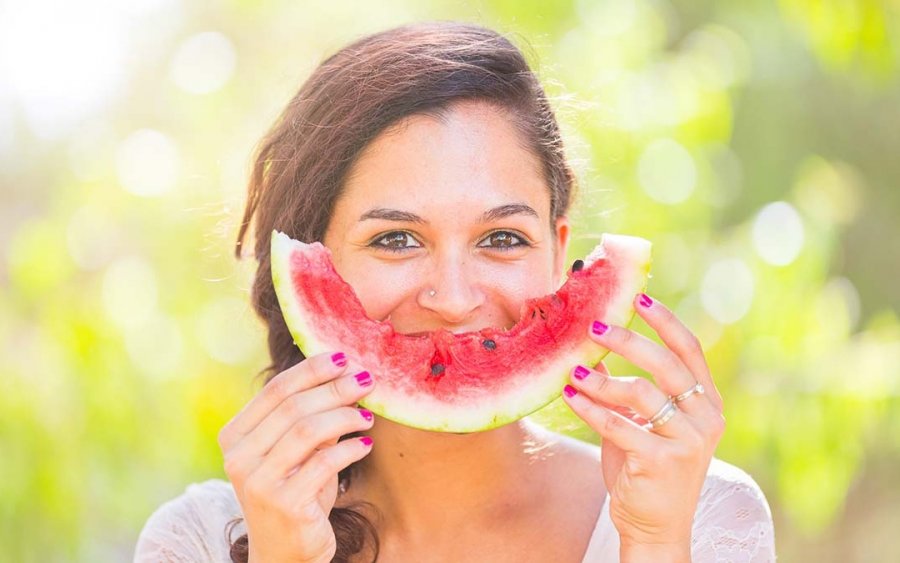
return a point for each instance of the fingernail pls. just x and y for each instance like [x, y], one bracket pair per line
[363, 378]
[599, 328]
[366, 441]
[569, 391]
[581, 372]
[367, 414]
[645, 300]
[339, 359]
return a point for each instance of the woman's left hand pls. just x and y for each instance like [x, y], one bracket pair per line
[654, 476]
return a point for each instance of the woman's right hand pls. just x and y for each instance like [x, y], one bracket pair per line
[282, 455]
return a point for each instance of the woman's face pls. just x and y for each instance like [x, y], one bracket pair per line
[458, 207]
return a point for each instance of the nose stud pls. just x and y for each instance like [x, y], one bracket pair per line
[432, 293]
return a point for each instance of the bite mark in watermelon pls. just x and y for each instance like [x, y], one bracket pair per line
[470, 381]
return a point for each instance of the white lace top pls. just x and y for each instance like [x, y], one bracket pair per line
[732, 523]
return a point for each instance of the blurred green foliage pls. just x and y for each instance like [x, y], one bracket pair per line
[753, 142]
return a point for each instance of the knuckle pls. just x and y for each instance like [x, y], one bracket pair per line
[303, 431]
[613, 424]
[718, 425]
[334, 389]
[623, 335]
[641, 388]
[232, 465]
[326, 462]
[277, 387]
[293, 406]
[318, 367]
[603, 385]
[224, 438]
[669, 363]
[692, 343]
[320, 467]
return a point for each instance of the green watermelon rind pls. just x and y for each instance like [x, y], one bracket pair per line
[516, 403]
[294, 317]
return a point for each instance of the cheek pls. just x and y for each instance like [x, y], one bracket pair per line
[515, 286]
[381, 288]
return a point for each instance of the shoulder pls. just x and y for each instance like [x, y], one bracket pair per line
[725, 481]
[733, 520]
[191, 526]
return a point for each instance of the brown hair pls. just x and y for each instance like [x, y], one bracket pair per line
[302, 162]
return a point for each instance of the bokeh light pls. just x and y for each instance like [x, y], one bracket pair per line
[227, 330]
[666, 171]
[156, 347]
[93, 236]
[203, 63]
[727, 290]
[778, 233]
[130, 292]
[147, 163]
[73, 64]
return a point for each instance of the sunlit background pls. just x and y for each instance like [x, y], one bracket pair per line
[757, 144]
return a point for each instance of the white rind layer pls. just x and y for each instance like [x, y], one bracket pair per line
[632, 256]
[294, 314]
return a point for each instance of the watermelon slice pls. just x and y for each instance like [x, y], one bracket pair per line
[464, 382]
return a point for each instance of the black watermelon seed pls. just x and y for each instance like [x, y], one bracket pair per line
[437, 369]
[489, 344]
[577, 265]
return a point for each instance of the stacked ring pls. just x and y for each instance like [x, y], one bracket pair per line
[662, 416]
[698, 389]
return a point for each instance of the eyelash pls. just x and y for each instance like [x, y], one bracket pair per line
[398, 249]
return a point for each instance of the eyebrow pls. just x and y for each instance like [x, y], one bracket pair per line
[494, 214]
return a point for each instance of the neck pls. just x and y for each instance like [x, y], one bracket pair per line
[429, 485]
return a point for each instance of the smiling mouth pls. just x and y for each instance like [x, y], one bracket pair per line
[416, 334]
[419, 334]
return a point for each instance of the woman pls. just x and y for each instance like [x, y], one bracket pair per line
[428, 160]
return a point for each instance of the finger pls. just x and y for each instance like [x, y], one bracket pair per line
[627, 412]
[611, 426]
[681, 341]
[323, 466]
[309, 373]
[635, 392]
[299, 443]
[667, 369]
[343, 391]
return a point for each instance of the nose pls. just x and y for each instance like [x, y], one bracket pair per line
[456, 285]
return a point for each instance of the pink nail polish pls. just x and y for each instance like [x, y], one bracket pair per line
[599, 328]
[339, 359]
[645, 300]
[367, 414]
[363, 378]
[569, 391]
[581, 372]
[366, 441]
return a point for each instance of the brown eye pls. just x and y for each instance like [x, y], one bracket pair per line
[396, 241]
[504, 240]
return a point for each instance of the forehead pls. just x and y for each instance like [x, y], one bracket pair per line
[470, 154]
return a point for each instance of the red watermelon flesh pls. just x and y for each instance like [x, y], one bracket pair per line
[469, 381]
